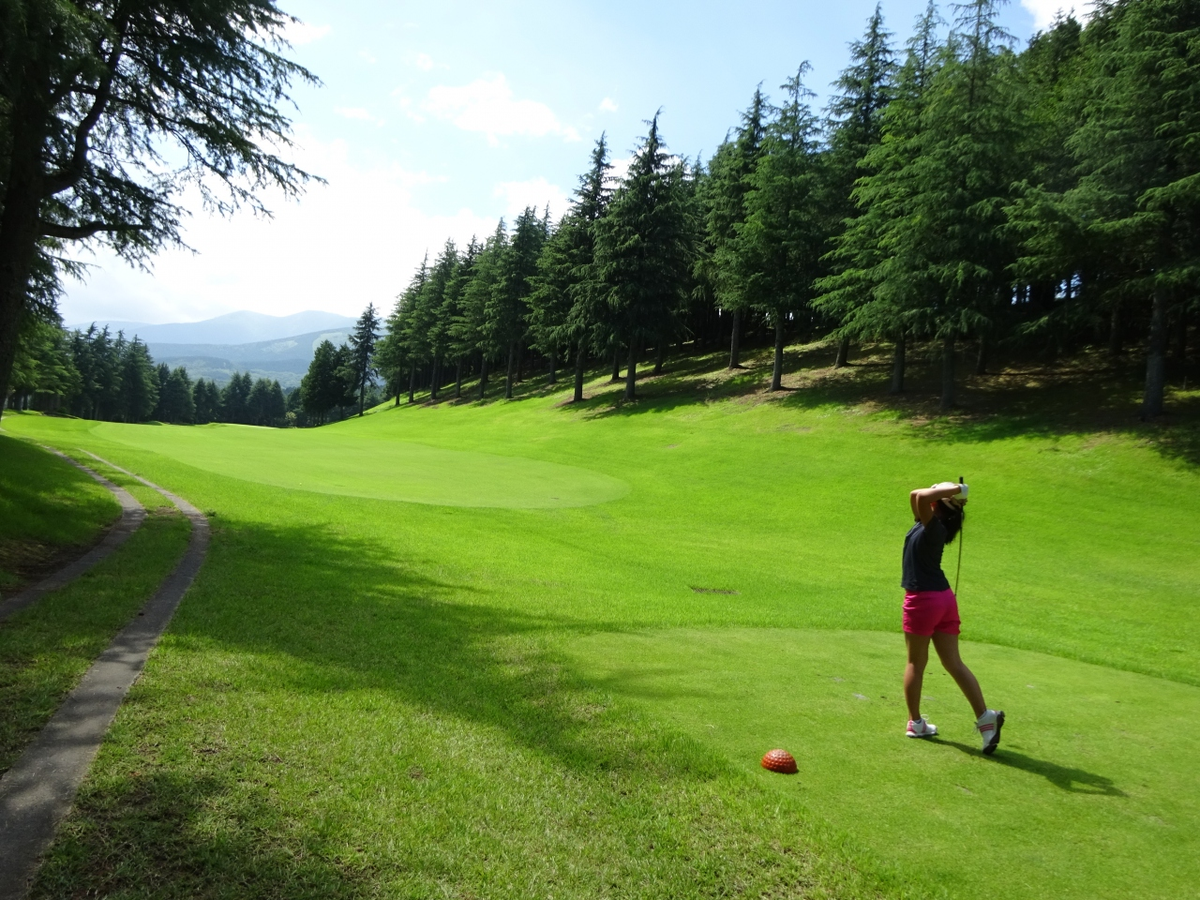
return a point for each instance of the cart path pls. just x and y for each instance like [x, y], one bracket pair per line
[132, 516]
[38, 791]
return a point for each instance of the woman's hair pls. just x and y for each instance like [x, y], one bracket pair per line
[952, 519]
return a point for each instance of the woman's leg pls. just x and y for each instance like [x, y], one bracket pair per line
[947, 650]
[914, 672]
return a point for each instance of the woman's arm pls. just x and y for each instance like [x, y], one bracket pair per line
[922, 500]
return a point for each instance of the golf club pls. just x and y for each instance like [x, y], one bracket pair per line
[961, 528]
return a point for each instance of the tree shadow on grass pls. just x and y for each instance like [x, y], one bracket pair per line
[1088, 395]
[152, 834]
[1073, 780]
[50, 513]
[310, 609]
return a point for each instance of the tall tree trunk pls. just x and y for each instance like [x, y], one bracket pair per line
[735, 341]
[1156, 357]
[616, 375]
[412, 384]
[898, 366]
[21, 207]
[843, 354]
[553, 370]
[436, 378]
[512, 361]
[948, 397]
[580, 358]
[458, 375]
[1115, 336]
[483, 374]
[981, 360]
[660, 358]
[362, 396]
[777, 373]
[631, 371]
[1181, 338]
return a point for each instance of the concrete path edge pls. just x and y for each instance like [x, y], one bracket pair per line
[39, 790]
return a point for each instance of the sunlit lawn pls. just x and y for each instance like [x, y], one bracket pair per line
[369, 696]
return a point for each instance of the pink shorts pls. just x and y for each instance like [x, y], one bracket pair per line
[926, 612]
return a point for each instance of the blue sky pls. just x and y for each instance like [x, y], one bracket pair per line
[435, 119]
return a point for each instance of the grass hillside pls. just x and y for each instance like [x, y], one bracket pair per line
[536, 649]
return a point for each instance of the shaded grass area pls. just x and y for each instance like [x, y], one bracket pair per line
[368, 736]
[1085, 394]
[50, 512]
[46, 648]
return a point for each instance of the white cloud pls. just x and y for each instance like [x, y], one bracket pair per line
[351, 242]
[297, 33]
[367, 56]
[488, 105]
[620, 168]
[1043, 11]
[424, 62]
[356, 112]
[608, 104]
[537, 192]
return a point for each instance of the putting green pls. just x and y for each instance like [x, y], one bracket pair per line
[336, 461]
[1096, 783]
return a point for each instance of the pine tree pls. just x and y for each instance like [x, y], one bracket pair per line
[470, 331]
[235, 398]
[878, 288]
[1139, 157]
[643, 249]
[778, 248]
[462, 339]
[206, 400]
[855, 123]
[316, 388]
[723, 199]
[139, 383]
[44, 371]
[566, 306]
[516, 268]
[175, 399]
[362, 351]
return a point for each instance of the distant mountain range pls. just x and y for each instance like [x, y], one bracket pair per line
[285, 360]
[232, 328]
[278, 348]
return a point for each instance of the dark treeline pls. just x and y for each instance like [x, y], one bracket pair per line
[955, 192]
[95, 375]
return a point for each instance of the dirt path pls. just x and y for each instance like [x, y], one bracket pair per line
[132, 516]
[37, 792]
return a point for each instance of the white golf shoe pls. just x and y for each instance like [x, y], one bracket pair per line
[919, 728]
[988, 725]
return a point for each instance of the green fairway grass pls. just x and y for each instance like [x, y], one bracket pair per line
[49, 511]
[1096, 783]
[375, 692]
[330, 461]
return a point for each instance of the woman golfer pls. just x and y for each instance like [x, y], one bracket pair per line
[931, 610]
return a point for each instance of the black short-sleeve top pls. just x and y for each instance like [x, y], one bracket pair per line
[922, 567]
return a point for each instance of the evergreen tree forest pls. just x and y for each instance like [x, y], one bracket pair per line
[95, 375]
[956, 193]
[957, 196]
